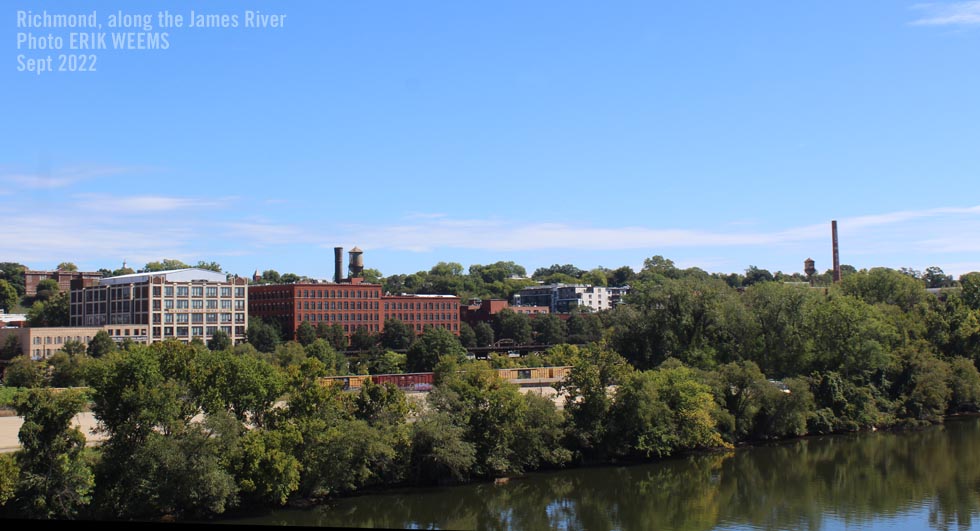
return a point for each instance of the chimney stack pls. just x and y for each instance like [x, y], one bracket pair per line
[338, 264]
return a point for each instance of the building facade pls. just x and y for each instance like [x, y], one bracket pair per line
[63, 278]
[42, 343]
[484, 310]
[351, 305]
[562, 298]
[421, 311]
[181, 304]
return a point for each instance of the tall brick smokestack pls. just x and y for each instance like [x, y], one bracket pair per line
[833, 230]
[338, 264]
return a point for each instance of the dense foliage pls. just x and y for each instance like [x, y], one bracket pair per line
[692, 362]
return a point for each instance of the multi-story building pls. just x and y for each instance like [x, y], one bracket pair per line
[352, 305]
[421, 311]
[483, 310]
[562, 298]
[42, 342]
[180, 304]
[63, 278]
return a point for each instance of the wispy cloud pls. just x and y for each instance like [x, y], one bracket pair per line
[61, 177]
[144, 203]
[947, 14]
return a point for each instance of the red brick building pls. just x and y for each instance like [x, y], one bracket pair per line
[63, 278]
[351, 305]
[420, 311]
[484, 311]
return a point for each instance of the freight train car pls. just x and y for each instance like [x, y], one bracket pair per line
[422, 381]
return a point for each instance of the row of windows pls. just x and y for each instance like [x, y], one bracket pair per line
[197, 318]
[345, 305]
[58, 340]
[197, 291]
[421, 306]
[338, 294]
[199, 304]
[423, 316]
[194, 331]
[315, 317]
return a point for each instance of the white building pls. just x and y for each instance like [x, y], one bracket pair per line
[148, 307]
[562, 298]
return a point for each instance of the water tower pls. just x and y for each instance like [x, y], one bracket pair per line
[356, 262]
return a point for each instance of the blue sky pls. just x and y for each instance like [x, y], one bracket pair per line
[719, 135]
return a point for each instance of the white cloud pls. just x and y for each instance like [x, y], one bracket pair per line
[61, 177]
[946, 14]
[144, 203]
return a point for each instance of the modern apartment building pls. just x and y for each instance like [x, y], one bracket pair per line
[180, 304]
[562, 298]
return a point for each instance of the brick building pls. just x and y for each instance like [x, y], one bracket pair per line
[42, 342]
[484, 310]
[63, 278]
[420, 311]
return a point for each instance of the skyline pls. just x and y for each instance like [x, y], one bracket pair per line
[542, 134]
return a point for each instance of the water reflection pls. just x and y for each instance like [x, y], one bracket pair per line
[925, 479]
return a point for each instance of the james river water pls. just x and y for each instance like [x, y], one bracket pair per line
[927, 479]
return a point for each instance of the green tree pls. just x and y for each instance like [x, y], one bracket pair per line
[658, 413]
[68, 370]
[219, 341]
[467, 337]
[11, 348]
[970, 284]
[271, 276]
[509, 324]
[24, 372]
[439, 449]
[67, 266]
[53, 312]
[484, 334]
[587, 398]
[55, 482]
[431, 346]
[848, 335]
[964, 385]
[73, 347]
[101, 344]
[167, 264]
[209, 266]
[548, 330]
[336, 337]
[8, 296]
[46, 289]
[334, 362]
[265, 464]
[362, 339]
[9, 474]
[397, 335]
[920, 383]
[246, 387]
[934, 277]
[13, 273]
[305, 333]
[883, 285]
[264, 336]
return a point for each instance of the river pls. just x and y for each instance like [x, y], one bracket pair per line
[928, 479]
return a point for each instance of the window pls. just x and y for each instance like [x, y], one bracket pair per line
[197, 304]
[168, 291]
[156, 291]
[239, 317]
[212, 318]
[226, 318]
[197, 291]
[181, 331]
[182, 317]
[197, 331]
[211, 330]
[197, 318]
[182, 291]
[212, 291]
[226, 292]
[168, 304]
[239, 292]
[225, 305]
[182, 304]
[213, 304]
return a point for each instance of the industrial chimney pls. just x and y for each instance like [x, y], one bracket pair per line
[338, 264]
[833, 229]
